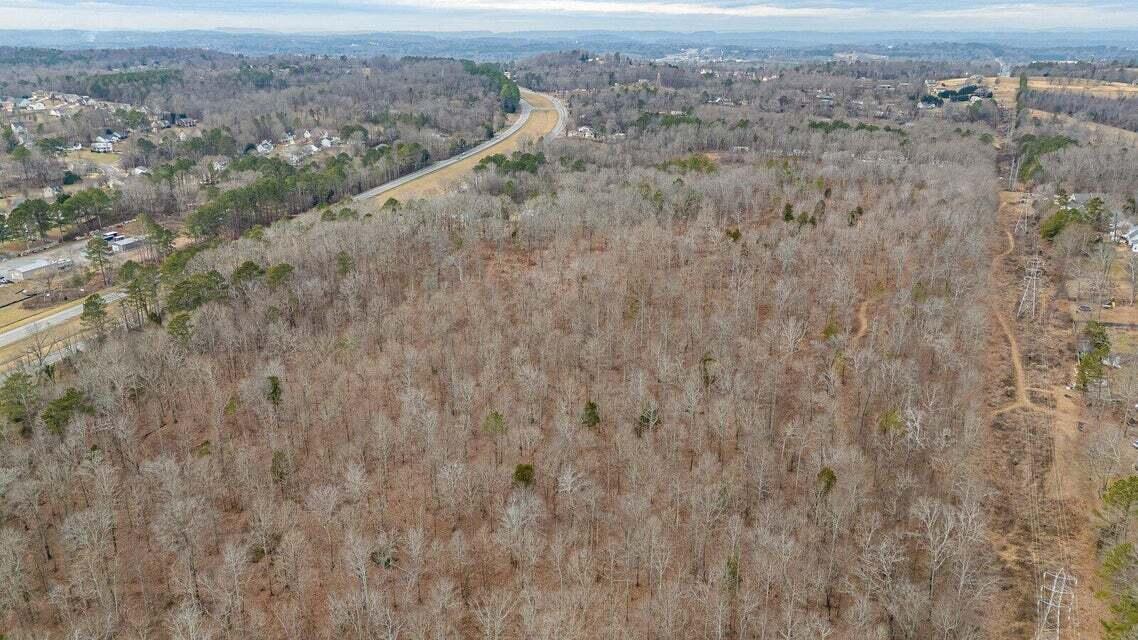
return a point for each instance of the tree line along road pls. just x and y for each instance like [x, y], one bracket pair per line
[541, 116]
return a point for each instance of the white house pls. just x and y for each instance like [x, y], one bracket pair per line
[102, 147]
[265, 148]
[584, 132]
[1130, 237]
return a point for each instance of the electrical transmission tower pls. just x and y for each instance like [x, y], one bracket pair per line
[1022, 224]
[1029, 301]
[1056, 605]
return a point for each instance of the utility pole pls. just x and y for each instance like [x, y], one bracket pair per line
[1056, 605]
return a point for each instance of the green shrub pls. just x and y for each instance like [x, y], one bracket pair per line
[590, 417]
[278, 274]
[523, 475]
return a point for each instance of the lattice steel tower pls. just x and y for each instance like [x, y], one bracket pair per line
[1029, 301]
[1056, 606]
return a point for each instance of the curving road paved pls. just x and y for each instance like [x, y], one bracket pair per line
[25, 331]
[527, 109]
[562, 118]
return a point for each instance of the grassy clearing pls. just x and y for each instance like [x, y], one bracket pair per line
[102, 159]
[16, 315]
[1106, 131]
[1004, 88]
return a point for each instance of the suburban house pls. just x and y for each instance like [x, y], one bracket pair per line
[584, 132]
[265, 148]
[102, 147]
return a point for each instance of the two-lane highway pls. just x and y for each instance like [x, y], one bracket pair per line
[25, 331]
[541, 116]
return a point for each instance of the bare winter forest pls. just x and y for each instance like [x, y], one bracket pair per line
[772, 350]
[717, 378]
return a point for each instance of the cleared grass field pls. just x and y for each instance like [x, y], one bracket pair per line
[16, 315]
[1106, 132]
[102, 159]
[1004, 88]
[542, 120]
[1094, 87]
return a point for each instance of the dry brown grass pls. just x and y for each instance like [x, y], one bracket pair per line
[1103, 130]
[49, 340]
[102, 159]
[1099, 88]
[1052, 520]
[1004, 88]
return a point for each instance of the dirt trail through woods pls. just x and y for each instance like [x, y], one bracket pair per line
[1034, 455]
[1022, 401]
[863, 319]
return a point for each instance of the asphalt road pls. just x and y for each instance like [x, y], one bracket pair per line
[523, 117]
[562, 118]
[28, 330]
[23, 332]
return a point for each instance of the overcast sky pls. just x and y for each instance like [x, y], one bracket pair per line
[512, 15]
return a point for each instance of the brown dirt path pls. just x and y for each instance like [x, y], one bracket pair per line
[1051, 527]
[1022, 400]
[862, 319]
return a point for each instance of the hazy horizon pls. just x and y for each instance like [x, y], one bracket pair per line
[502, 16]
